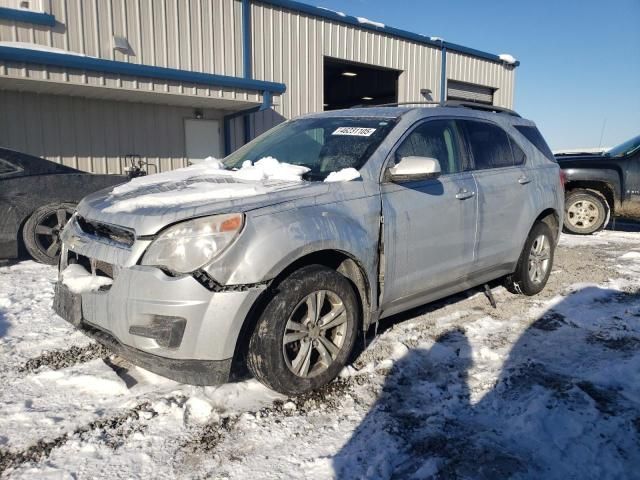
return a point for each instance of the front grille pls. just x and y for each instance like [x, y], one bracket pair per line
[106, 231]
[98, 267]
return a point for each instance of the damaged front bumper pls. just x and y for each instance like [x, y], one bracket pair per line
[171, 325]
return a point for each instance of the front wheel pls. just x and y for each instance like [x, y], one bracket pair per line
[306, 333]
[534, 265]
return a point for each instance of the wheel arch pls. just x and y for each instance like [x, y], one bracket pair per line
[338, 260]
[606, 189]
[551, 217]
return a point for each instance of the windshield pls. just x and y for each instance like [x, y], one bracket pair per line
[324, 145]
[626, 148]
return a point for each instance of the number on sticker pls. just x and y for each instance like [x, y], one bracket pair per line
[354, 131]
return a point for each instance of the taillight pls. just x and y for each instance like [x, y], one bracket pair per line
[563, 178]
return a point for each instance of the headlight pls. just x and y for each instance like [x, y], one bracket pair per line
[187, 246]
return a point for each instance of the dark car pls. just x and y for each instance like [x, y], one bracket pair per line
[600, 186]
[37, 197]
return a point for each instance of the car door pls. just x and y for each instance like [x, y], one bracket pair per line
[505, 205]
[430, 224]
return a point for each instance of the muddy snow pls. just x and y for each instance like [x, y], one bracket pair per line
[541, 387]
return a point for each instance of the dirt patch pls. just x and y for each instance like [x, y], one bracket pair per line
[58, 359]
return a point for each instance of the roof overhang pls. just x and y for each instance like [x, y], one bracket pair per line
[260, 89]
[124, 94]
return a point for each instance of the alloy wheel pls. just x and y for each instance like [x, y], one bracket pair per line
[539, 259]
[315, 333]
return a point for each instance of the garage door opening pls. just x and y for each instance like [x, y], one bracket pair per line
[348, 84]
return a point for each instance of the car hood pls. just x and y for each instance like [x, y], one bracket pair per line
[149, 208]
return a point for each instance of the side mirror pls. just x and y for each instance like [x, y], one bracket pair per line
[415, 168]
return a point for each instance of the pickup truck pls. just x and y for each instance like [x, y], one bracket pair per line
[599, 186]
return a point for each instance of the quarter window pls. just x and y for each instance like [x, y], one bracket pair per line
[489, 144]
[435, 139]
[533, 135]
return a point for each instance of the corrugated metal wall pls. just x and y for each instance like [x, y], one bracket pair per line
[289, 47]
[475, 70]
[203, 36]
[194, 35]
[94, 135]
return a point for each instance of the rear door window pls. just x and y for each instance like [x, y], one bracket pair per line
[489, 145]
[434, 139]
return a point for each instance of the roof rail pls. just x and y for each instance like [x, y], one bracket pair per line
[480, 106]
[449, 103]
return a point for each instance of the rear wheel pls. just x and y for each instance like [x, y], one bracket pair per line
[306, 333]
[534, 265]
[41, 232]
[585, 212]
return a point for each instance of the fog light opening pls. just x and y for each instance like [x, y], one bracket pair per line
[165, 330]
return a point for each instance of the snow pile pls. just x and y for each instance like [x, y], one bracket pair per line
[269, 168]
[198, 183]
[510, 59]
[209, 166]
[366, 21]
[436, 39]
[78, 280]
[341, 14]
[344, 175]
[197, 410]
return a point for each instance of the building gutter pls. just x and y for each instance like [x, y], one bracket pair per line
[246, 61]
[27, 16]
[81, 62]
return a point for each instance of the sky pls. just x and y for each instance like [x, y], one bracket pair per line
[579, 77]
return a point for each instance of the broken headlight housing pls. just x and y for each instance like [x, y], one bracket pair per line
[188, 246]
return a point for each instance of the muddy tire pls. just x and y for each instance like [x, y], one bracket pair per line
[306, 333]
[41, 232]
[585, 212]
[535, 262]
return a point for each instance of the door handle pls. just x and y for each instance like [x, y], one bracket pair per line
[464, 194]
[523, 180]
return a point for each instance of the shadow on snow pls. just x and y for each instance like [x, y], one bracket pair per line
[566, 403]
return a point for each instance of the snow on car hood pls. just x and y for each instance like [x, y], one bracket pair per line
[149, 203]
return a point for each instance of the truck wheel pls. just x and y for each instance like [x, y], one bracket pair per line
[534, 265]
[306, 333]
[41, 232]
[585, 212]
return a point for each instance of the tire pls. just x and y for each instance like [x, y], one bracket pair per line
[585, 212]
[526, 279]
[41, 232]
[284, 367]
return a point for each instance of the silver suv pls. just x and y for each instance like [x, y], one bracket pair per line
[281, 255]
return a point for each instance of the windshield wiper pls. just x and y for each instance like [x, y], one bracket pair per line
[313, 176]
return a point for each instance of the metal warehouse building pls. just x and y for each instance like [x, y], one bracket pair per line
[89, 82]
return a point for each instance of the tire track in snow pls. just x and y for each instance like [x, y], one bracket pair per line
[113, 432]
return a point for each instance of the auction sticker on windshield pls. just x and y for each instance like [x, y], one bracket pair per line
[354, 131]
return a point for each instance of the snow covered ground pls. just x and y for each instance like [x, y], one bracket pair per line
[541, 387]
